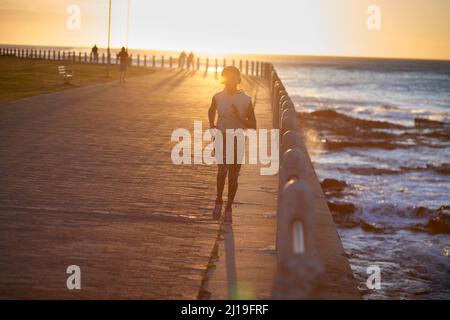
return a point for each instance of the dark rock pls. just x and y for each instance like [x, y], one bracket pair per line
[440, 221]
[333, 185]
[426, 123]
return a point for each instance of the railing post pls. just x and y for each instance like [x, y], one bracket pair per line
[257, 68]
[145, 60]
[224, 63]
[103, 58]
[276, 104]
[154, 61]
[207, 65]
[138, 60]
[246, 67]
[291, 139]
[240, 65]
[170, 62]
[85, 57]
[216, 65]
[198, 63]
[162, 62]
[288, 121]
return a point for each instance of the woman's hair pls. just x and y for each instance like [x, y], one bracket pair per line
[230, 71]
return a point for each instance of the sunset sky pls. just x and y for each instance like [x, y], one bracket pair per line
[409, 28]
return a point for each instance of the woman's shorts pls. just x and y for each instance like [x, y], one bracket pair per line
[123, 67]
[235, 155]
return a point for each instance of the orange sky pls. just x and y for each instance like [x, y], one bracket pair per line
[409, 28]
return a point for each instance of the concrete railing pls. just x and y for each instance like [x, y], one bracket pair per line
[297, 267]
[247, 67]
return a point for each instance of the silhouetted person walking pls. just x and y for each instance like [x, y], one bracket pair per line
[123, 64]
[190, 61]
[94, 53]
[182, 60]
[235, 111]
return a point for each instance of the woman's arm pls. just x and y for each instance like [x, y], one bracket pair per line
[212, 113]
[249, 120]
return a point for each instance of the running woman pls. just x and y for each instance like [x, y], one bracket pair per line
[235, 111]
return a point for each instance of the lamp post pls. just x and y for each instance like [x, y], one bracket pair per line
[109, 39]
[128, 22]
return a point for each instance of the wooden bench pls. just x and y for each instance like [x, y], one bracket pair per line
[65, 74]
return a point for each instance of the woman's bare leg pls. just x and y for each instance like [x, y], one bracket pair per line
[233, 176]
[221, 177]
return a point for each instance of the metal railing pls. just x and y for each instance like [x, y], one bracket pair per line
[247, 67]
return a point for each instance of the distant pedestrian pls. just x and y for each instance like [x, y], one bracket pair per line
[123, 64]
[94, 53]
[190, 61]
[182, 60]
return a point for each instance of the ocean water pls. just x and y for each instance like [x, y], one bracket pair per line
[386, 169]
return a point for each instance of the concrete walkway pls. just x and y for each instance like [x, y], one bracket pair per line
[86, 179]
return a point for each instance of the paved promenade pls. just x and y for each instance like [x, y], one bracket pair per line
[86, 179]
